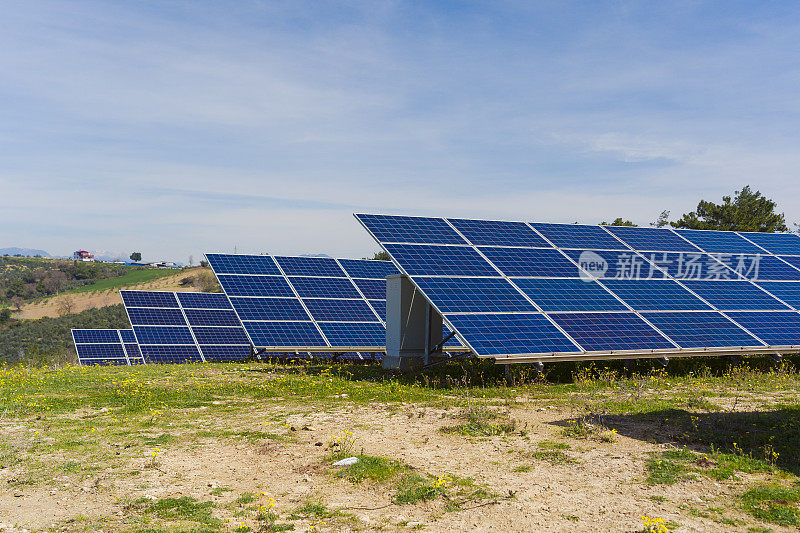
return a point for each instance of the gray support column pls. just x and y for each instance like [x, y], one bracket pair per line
[412, 325]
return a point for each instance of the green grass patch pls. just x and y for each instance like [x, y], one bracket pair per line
[372, 468]
[245, 498]
[665, 472]
[184, 508]
[131, 277]
[481, 423]
[774, 504]
[555, 457]
[553, 445]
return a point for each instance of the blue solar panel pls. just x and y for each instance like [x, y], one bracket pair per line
[220, 335]
[652, 239]
[339, 310]
[361, 268]
[531, 262]
[510, 334]
[155, 317]
[310, 266]
[148, 299]
[701, 330]
[477, 295]
[690, 265]
[794, 261]
[255, 286]
[726, 242]
[211, 317]
[788, 292]
[134, 353]
[127, 336]
[569, 295]
[775, 328]
[242, 264]
[269, 308]
[733, 295]
[577, 236]
[100, 351]
[324, 287]
[203, 300]
[388, 228]
[497, 233]
[611, 331]
[222, 354]
[171, 354]
[776, 243]
[763, 267]
[95, 336]
[163, 335]
[351, 334]
[425, 260]
[655, 295]
[373, 289]
[380, 307]
[615, 264]
[284, 334]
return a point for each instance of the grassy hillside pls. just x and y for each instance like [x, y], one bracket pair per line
[705, 445]
[49, 340]
[24, 279]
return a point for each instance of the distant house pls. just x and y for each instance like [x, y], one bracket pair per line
[82, 255]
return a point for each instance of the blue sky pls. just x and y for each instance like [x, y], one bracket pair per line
[183, 127]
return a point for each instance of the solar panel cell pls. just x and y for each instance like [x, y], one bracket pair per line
[242, 264]
[508, 334]
[372, 289]
[652, 239]
[498, 233]
[788, 292]
[474, 295]
[776, 243]
[148, 299]
[155, 316]
[776, 328]
[222, 354]
[212, 317]
[163, 335]
[284, 334]
[352, 334]
[569, 295]
[127, 336]
[95, 336]
[578, 236]
[388, 228]
[701, 330]
[655, 294]
[220, 335]
[100, 351]
[615, 264]
[269, 308]
[324, 287]
[255, 285]
[340, 310]
[358, 268]
[726, 242]
[203, 300]
[426, 260]
[611, 331]
[531, 262]
[310, 266]
[733, 295]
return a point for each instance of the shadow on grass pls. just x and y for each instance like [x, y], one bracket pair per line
[756, 434]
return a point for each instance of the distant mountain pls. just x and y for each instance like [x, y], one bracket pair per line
[27, 252]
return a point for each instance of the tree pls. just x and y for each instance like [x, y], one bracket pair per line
[203, 263]
[5, 315]
[745, 211]
[662, 220]
[66, 305]
[136, 256]
[379, 256]
[17, 302]
[618, 222]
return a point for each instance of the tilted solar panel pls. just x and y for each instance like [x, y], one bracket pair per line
[106, 347]
[312, 302]
[186, 327]
[532, 290]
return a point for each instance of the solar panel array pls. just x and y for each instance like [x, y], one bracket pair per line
[106, 347]
[185, 327]
[317, 303]
[527, 290]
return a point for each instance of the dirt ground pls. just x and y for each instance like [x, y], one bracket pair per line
[90, 300]
[602, 490]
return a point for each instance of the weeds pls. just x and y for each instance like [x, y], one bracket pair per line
[774, 504]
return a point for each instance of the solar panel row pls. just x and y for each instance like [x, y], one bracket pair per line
[517, 288]
[185, 327]
[106, 347]
[314, 302]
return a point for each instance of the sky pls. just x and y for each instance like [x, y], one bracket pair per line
[178, 128]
